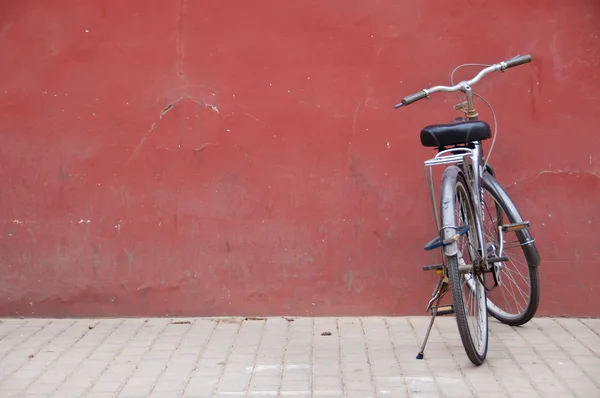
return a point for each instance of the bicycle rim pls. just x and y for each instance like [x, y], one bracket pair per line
[515, 301]
[468, 292]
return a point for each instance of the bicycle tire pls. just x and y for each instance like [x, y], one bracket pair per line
[453, 181]
[530, 252]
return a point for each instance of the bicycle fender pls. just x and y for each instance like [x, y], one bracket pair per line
[447, 209]
[490, 169]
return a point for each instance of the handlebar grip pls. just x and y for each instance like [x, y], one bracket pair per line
[518, 61]
[409, 99]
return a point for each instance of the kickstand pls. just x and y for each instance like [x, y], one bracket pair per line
[442, 286]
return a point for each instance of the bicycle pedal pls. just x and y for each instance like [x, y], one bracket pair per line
[443, 310]
[435, 267]
[516, 226]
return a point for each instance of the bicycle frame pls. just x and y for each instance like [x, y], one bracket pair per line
[473, 174]
[466, 158]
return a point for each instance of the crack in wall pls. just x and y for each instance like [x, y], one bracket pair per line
[163, 112]
[201, 147]
[196, 101]
[570, 172]
[141, 142]
[179, 41]
[555, 173]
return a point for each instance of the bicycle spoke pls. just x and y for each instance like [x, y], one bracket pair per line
[512, 297]
[512, 272]
[523, 295]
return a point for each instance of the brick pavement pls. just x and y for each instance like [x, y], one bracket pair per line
[303, 357]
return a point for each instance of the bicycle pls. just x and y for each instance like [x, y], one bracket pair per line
[467, 172]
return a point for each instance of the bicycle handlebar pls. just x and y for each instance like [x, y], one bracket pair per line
[518, 60]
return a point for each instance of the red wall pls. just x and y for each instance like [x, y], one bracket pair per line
[243, 157]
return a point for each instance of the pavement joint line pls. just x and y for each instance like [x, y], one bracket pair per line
[229, 350]
[522, 371]
[85, 332]
[467, 381]
[366, 347]
[558, 345]
[414, 331]
[545, 361]
[262, 335]
[402, 372]
[199, 356]
[5, 354]
[285, 348]
[87, 390]
[72, 372]
[37, 350]
[147, 350]
[173, 352]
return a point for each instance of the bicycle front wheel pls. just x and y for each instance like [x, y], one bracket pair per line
[464, 273]
[516, 299]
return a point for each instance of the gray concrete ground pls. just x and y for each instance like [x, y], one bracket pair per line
[303, 357]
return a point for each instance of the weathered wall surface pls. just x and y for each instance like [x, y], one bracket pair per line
[202, 158]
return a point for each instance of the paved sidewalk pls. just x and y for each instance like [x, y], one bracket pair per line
[295, 357]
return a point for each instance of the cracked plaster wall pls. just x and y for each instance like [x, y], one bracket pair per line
[211, 158]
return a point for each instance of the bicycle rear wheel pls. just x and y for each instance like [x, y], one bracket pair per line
[465, 277]
[516, 300]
